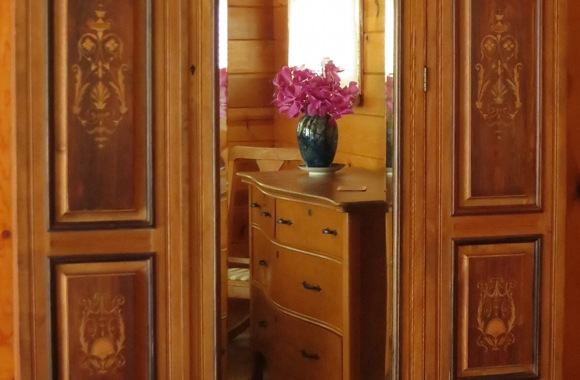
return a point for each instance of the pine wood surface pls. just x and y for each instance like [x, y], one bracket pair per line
[325, 189]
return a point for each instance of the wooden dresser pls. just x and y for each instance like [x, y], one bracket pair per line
[318, 296]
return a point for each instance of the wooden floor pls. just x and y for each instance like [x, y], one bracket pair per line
[239, 363]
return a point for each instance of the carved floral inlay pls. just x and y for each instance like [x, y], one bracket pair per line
[102, 334]
[496, 314]
[499, 79]
[99, 80]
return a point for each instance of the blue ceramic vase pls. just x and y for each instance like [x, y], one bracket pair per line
[317, 140]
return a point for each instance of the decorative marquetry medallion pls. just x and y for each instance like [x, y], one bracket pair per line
[102, 333]
[497, 307]
[103, 317]
[496, 314]
[497, 94]
[499, 80]
[101, 127]
[99, 79]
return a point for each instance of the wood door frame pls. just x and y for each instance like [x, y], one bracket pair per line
[204, 187]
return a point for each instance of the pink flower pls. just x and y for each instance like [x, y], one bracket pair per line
[301, 90]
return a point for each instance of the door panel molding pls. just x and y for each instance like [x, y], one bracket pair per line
[497, 307]
[103, 316]
[498, 103]
[100, 100]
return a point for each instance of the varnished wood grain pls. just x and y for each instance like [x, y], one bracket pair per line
[429, 151]
[497, 308]
[498, 136]
[325, 313]
[101, 122]
[169, 238]
[7, 182]
[325, 190]
[571, 341]
[103, 314]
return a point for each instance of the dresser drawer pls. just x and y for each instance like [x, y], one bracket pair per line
[262, 210]
[263, 323]
[308, 284]
[263, 258]
[305, 351]
[310, 227]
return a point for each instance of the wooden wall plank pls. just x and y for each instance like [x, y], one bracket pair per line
[374, 53]
[250, 90]
[250, 23]
[374, 16]
[249, 3]
[251, 131]
[250, 57]
[256, 113]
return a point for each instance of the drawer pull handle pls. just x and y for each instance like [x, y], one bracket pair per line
[255, 205]
[307, 355]
[266, 214]
[263, 324]
[263, 263]
[307, 286]
[328, 231]
[285, 221]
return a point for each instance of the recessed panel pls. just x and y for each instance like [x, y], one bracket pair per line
[498, 97]
[102, 317]
[101, 121]
[497, 307]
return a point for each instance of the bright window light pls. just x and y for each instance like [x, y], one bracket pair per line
[389, 37]
[223, 34]
[321, 29]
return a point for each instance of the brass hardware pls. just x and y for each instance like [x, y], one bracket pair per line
[255, 205]
[328, 231]
[266, 214]
[285, 221]
[307, 355]
[307, 286]
[263, 263]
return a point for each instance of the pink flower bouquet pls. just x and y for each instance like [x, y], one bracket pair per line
[301, 90]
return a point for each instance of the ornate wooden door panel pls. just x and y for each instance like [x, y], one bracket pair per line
[103, 210]
[102, 117]
[498, 66]
[498, 137]
[102, 316]
[483, 189]
[497, 307]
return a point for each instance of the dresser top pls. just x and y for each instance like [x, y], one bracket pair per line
[346, 190]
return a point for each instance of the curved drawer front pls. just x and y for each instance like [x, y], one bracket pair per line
[263, 258]
[263, 323]
[305, 351]
[262, 210]
[308, 284]
[310, 227]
